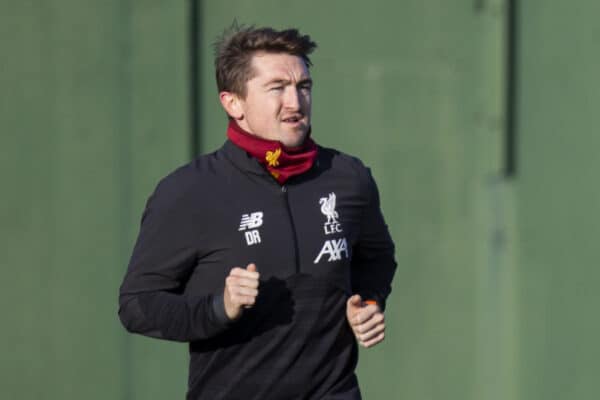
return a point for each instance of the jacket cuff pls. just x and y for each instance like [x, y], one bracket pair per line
[218, 307]
[370, 298]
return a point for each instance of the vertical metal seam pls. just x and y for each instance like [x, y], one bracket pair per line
[124, 172]
[510, 143]
[194, 76]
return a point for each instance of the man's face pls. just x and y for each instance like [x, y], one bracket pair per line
[278, 99]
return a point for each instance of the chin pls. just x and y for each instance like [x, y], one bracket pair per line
[294, 141]
[295, 138]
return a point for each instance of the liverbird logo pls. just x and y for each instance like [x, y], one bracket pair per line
[272, 157]
[336, 249]
[328, 209]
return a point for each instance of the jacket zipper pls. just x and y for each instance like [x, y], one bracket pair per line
[293, 226]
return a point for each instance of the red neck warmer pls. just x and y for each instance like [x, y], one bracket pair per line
[282, 163]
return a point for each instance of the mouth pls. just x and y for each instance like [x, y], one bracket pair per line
[294, 119]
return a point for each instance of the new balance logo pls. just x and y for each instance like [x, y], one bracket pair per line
[251, 221]
[335, 248]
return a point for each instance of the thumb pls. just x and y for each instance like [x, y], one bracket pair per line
[251, 267]
[355, 301]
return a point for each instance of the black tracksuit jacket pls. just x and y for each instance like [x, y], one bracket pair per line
[315, 241]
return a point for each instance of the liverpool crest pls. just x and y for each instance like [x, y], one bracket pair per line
[328, 209]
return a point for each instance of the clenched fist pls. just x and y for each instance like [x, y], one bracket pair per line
[366, 320]
[241, 289]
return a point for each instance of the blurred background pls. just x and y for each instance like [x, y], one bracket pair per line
[479, 119]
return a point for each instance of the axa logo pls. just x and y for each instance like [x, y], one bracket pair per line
[335, 249]
[328, 209]
[249, 223]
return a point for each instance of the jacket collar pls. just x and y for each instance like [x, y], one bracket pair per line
[242, 160]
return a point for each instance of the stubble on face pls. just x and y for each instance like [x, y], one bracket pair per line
[277, 105]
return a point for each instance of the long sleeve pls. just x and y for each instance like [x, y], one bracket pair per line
[373, 263]
[151, 298]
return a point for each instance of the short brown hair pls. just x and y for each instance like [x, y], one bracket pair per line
[237, 45]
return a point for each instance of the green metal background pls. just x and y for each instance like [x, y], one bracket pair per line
[559, 201]
[496, 292]
[94, 110]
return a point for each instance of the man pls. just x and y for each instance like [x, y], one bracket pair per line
[269, 256]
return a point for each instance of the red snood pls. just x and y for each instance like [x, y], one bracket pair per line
[282, 163]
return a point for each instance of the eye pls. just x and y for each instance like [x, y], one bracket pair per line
[305, 87]
[276, 88]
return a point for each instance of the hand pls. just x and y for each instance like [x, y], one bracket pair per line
[366, 320]
[241, 289]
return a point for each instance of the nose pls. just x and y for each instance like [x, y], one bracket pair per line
[292, 98]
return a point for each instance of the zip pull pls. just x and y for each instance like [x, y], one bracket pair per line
[284, 189]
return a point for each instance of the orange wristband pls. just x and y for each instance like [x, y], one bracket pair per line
[370, 302]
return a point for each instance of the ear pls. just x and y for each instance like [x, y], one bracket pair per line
[232, 105]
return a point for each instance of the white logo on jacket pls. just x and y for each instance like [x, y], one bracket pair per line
[334, 248]
[328, 209]
[249, 223]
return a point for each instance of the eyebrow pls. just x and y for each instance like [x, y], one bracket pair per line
[287, 82]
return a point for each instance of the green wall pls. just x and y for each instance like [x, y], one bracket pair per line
[559, 201]
[495, 294]
[94, 110]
